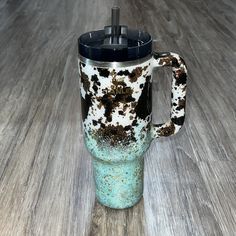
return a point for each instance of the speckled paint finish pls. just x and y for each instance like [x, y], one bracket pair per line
[119, 185]
[117, 113]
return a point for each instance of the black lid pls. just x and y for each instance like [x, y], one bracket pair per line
[115, 42]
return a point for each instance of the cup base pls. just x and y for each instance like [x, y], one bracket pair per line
[120, 208]
[119, 185]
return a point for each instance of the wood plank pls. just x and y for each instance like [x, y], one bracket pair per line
[46, 183]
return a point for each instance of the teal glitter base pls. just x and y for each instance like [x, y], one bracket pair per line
[118, 170]
[119, 185]
[119, 153]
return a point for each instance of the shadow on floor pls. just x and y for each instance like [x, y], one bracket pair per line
[107, 221]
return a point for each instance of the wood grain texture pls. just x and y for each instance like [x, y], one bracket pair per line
[46, 184]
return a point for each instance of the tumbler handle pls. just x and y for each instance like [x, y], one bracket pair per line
[178, 93]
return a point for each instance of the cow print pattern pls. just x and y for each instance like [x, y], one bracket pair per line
[117, 104]
[116, 108]
[178, 93]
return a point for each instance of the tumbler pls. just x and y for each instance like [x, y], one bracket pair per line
[115, 67]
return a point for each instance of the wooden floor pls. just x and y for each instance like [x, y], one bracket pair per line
[46, 184]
